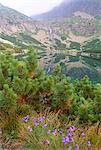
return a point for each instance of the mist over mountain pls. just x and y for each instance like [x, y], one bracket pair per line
[68, 8]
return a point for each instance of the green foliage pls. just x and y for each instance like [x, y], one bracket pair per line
[57, 70]
[7, 98]
[62, 93]
[97, 98]
[8, 103]
[24, 85]
[15, 86]
[23, 109]
[85, 100]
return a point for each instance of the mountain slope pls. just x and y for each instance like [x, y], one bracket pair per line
[12, 21]
[74, 42]
[92, 7]
[20, 29]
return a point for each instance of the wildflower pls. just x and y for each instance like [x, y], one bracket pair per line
[25, 119]
[89, 143]
[36, 124]
[70, 148]
[68, 131]
[61, 132]
[48, 132]
[72, 128]
[79, 129]
[44, 126]
[77, 147]
[71, 139]
[29, 128]
[82, 134]
[40, 119]
[46, 142]
[69, 134]
[34, 120]
[65, 140]
[55, 131]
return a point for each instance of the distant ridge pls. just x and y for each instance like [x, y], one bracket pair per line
[92, 7]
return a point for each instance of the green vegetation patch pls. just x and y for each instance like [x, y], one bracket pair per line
[93, 47]
[75, 45]
[81, 72]
[59, 57]
[91, 61]
[59, 45]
